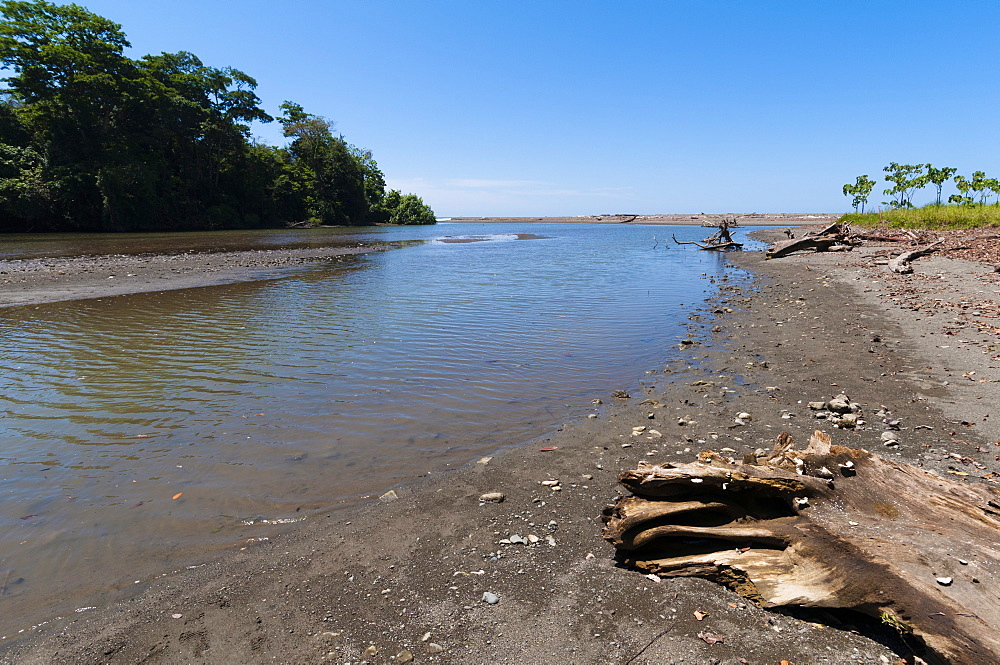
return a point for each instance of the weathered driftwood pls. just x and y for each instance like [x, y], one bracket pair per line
[901, 263]
[827, 526]
[834, 235]
[719, 246]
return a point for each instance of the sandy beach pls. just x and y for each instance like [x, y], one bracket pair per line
[429, 572]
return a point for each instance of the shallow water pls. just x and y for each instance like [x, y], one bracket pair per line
[140, 433]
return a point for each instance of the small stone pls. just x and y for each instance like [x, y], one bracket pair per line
[532, 538]
[838, 405]
[817, 406]
[484, 460]
[550, 483]
[426, 637]
[491, 598]
[434, 647]
[592, 416]
[743, 415]
[404, 656]
[371, 650]
[596, 402]
[890, 436]
[389, 496]
[650, 415]
[620, 394]
[944, 581]
[492, 497]
[517, 540]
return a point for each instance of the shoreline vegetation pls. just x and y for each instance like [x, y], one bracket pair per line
[431, 572]
[94, 141]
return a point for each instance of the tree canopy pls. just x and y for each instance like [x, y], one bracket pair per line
[92, 140]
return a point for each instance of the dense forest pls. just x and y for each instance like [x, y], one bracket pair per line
[91, 140]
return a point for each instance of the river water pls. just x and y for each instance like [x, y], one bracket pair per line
[142, 433]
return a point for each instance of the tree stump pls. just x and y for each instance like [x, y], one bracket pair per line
[827, 526]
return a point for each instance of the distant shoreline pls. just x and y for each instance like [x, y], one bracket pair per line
[742, 219]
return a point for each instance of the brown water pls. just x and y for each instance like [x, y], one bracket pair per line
[139, 434]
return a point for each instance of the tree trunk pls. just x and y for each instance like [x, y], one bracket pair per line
[827, 526]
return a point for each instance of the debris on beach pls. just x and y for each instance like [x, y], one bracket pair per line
[874, 535]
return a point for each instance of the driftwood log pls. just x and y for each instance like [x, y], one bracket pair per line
[827, 526]
[722, 240]
[835, 237]
[901, 263]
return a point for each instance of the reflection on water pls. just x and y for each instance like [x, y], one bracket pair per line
[139, 432]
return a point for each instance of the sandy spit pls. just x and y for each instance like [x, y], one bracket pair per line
[403, 579]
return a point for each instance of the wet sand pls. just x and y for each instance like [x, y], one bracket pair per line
[403, 578]
[33, 281]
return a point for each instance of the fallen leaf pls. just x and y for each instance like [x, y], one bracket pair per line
[547, 449]
[178, 495]
[28, 517]
[138, 504]
[699, 615]
[732, 605]
[711, 638]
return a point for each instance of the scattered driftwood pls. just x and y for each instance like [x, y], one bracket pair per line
[901, 263]
[827, 526]
[835, 237]
[722, 240]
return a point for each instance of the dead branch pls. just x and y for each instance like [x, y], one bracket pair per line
[718, 246]
[901, 264]
[827, 526]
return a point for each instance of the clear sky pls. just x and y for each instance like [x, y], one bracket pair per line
[587, 107]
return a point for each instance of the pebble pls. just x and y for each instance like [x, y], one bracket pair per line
[890, 436]
[492, 497]
[434, 647]
[491, 598]
[389, 496]
[404, 656]
[944, 581]
[743, 415]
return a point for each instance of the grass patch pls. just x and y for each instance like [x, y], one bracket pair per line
[930, 217]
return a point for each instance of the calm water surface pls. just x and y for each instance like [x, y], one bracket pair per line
[262, 403]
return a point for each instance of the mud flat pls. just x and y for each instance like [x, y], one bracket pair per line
[433, 573]
[32, 281]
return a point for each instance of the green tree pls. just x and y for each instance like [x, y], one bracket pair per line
[323, 170]
[938, 177]
[969, 188]
[92, 140]
[860, 191]
[907, 179]
[412, 210]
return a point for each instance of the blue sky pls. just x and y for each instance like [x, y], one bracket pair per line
[590, 107]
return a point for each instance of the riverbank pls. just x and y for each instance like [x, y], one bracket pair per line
[405, 577]
[39, 280]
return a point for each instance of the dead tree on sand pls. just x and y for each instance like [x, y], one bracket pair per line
[828, 527]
